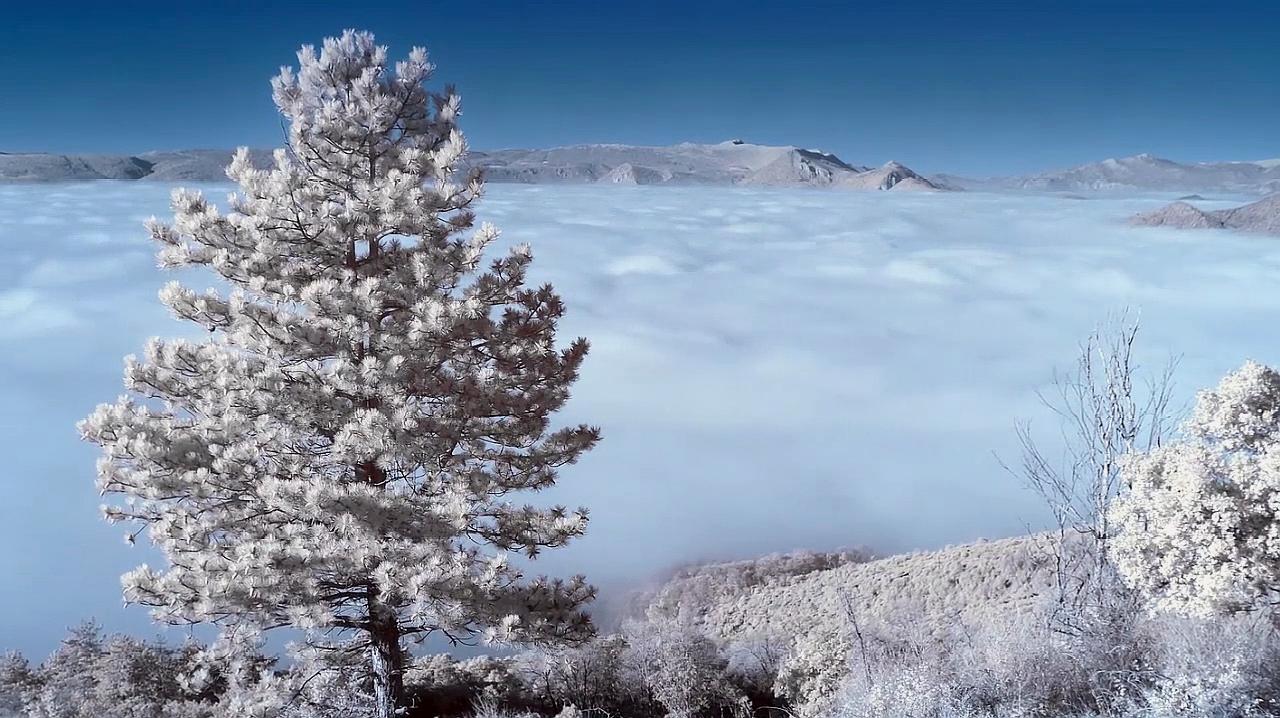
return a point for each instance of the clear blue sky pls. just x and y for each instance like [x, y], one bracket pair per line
[975, 87]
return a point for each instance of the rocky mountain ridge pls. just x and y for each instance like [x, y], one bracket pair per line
[1262, 217]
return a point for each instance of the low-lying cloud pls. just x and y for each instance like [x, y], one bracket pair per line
[772, 369]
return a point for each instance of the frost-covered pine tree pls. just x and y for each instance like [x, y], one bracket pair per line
[341, 454]
[1200, 521]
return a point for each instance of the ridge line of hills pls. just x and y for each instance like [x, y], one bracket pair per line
[727, 163]
[689, 163]
[1138, 172]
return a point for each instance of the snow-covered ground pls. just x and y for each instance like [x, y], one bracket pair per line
[772, 368]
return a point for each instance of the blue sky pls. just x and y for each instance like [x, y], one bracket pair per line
[968, 87]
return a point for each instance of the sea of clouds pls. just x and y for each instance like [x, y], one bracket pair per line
[772, 369]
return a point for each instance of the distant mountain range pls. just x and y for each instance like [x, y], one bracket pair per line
[1262, 216]
[192, 165]
[1139, 172]
[727, 163]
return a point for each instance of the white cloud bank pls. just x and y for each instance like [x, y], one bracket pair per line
[772, 369]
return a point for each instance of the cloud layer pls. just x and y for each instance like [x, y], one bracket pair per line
[772, 369]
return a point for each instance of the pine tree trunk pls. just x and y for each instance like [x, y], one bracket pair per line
[384, 633]
[385, 660]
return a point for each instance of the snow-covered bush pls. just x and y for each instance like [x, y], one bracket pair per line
[16, 680]
[1141, 667]
[1220, 667]
[499, 679]
[317, 684]
[916, 691]
[755, 659]
[1012, 666]
[327, 693]
[683, 669]
[600, 675]
[813, 671]
[92, 675]
[891, 669]
[440, 685]
[1023, 666]
[1030, 664]
[1200, 521]
[486, 708]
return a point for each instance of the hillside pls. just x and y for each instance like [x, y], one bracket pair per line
[1262, 217]
[934, 590]
[811, 611]
[809, 601]
[189, 165]
[726, 163]
[690, 592]
[43, 167]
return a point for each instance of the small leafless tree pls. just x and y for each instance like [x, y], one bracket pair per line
[1107, 407]
[589, 677]
[756, 656]
[851, 614]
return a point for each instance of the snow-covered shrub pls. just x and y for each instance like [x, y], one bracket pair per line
[494, 678]
[683, 669]
[755, 659]
[811, 675]
[600, 675]
[488, 708]
[1242, 413]
[439, 685]
[1008, 666]
[1022, 666]
[1142, 667]
[1200, 522]
[916, 691]
[435, 685]
[1222, 667]
[96, 676]
[325, 693]
[892, 670]
[16, 679]
[867, 664]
